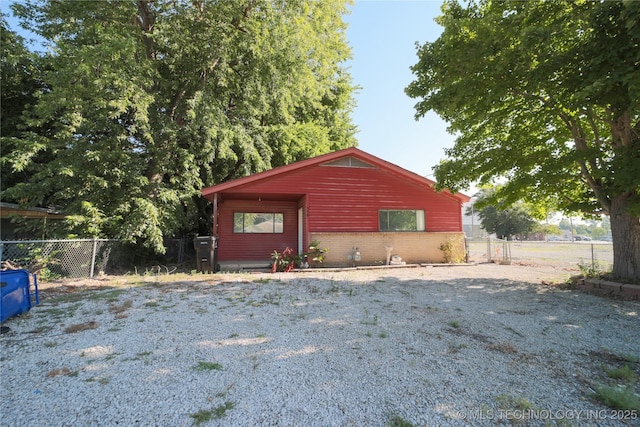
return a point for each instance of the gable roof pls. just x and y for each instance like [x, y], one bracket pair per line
[352, 151]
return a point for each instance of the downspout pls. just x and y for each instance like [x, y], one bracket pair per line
[216, 243]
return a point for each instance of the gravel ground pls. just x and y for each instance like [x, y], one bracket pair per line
[468, 345]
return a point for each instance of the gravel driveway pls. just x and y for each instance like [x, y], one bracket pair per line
[469, 345]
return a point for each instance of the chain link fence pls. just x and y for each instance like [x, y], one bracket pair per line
[592, 255]
[86, 258]
[80, 258]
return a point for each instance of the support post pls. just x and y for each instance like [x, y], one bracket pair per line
[93, 257]
[215, 216]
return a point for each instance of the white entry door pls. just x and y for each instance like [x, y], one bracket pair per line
[300, 232]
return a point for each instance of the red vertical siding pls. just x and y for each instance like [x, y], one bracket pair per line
[255, 246]
[348, 199]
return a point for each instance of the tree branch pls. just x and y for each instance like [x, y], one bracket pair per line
[180, 94]
[146, 21]
[245, 14]
[175, 101]
[235, 170]
[622, 130]
[596, 133]
[206, 71]
[580, 143]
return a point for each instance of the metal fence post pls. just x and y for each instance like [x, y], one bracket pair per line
[466, 251]
[181, 250]
[93, 257]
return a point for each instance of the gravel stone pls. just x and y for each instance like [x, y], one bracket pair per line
[468, 345]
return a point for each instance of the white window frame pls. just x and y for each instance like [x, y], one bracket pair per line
[277, 226]
[420, 223]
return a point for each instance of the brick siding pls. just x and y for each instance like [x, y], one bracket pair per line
[412, 247]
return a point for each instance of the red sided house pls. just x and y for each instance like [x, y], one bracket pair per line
[348, 200]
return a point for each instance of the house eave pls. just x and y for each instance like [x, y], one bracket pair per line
[227, 187]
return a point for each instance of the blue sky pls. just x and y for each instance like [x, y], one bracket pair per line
[382, 35]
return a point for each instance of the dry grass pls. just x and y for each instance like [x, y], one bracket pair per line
[120, 310]
[503, 347]
[59, 371]
[81, 327]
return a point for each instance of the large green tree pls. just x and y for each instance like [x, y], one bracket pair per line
[149, 101]
[545, 95]
[20, 79]
[505, 221]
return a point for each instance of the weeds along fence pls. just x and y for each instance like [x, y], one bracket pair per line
[86, 258]
[80, 258]
[589, 255]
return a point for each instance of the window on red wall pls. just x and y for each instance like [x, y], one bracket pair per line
[401, 220]
[256, 222]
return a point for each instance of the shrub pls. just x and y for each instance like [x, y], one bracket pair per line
[315, 254]
[283, 261]
[287, 260]
[452, 250]
[620, 397]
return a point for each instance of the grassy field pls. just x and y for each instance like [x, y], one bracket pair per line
[561, 254]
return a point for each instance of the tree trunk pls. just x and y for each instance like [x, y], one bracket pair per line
[625, 232]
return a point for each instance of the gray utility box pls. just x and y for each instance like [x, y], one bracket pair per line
[206, 253]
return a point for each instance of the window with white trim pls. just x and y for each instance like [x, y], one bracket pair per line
[401, 220]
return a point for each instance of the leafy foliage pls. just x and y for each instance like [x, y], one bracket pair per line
[618, 397]
[505, 222]
[21, 81]
[594, 229]
[284, 261]
[453, 250]
[287, 260]
[546, 229]
[544, 95]
[591, 269]
[144, 103]
[316, 254]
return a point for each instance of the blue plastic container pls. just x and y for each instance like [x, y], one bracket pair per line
[16, 293]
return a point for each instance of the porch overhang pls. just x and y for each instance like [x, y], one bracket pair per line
[273, 197]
